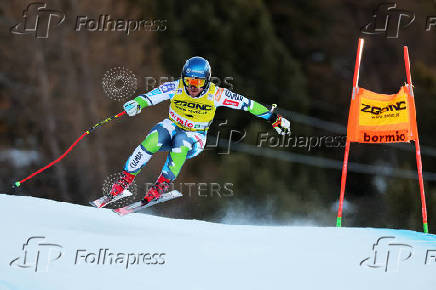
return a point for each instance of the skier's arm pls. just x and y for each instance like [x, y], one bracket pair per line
[227, 98]
[162, 93]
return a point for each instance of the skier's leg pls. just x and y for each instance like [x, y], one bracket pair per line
[175, 160]
[185, 145]
[158, 138]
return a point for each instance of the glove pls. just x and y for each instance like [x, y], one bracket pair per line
[280, 124]
[132, 108]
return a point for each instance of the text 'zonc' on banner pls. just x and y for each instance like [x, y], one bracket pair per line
[381, 118]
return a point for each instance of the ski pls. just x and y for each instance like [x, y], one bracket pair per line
[105, 199]
[136, 206]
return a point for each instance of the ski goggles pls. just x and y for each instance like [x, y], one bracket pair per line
[196, 82]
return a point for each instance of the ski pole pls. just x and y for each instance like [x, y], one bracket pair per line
[87, 132]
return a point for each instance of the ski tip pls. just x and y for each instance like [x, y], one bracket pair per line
[101, 202]
[97, 203]
[175, 193]
[127, 193]
[120, 211]
[16, 184]
[136, 206]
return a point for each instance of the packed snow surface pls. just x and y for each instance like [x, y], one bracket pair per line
[54, 245]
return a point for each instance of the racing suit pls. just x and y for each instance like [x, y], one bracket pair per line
[184, 132]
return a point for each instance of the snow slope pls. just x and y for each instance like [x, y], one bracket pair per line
[63, 241]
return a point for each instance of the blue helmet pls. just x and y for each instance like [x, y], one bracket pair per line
[197, 67]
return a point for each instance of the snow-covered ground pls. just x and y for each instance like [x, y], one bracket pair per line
[53, 245]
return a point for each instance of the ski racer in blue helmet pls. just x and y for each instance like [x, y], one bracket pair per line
[196, 76]
[193, 100]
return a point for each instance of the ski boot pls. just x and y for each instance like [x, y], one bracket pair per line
[117, 191]
[122, 183]
[161, 186]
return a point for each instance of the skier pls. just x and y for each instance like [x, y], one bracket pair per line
[193, 101]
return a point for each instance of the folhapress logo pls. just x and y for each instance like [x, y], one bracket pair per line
[38, 20]
[37, 254]
[387, 255]
[389, 20]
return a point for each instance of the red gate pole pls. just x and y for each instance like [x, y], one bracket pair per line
[347, 145]
[417, 147]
